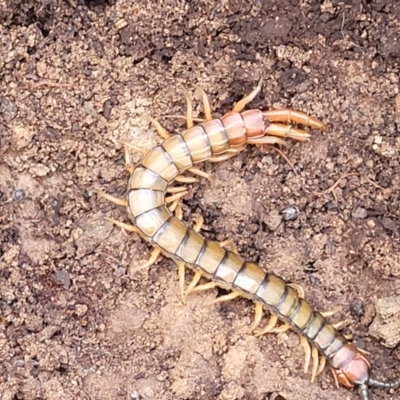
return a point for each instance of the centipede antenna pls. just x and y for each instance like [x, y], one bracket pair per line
[385, 385]
[364, 391]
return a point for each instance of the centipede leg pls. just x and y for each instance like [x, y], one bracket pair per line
[322, 363]
[270, 326]
[280, 329]
[127, 227]
[115, 200]
[227, 297]
[315, 360]
[160, 129]
[247, 99]
[329, 313]
[181, 276]
[133, 146]
[196, 278]
[227, 155]
[307, 349]
[128, 162]
[205, 286]
[185, 179]
[199, 172]
[206, 104]
[151, 261]
[130, 228]
[199, 220]
[176, 196]
[257, 317]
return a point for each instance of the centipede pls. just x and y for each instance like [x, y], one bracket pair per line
[152, 204]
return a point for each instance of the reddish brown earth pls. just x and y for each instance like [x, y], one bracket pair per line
[76, 321]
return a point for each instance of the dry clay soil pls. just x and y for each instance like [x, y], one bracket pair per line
[77, 321]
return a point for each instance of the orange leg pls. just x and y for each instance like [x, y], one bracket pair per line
[241, 104]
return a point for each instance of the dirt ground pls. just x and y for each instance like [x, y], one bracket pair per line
[76, 320]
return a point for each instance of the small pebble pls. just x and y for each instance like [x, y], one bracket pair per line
[18, 195]
[290, 213]
[62, 278]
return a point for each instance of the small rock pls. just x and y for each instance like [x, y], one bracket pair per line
[7, 109]
[386, 325]
[34, 323]
[47, 333]
[371, 224]
[290, 213]
[359, 213]
[18, 195]
[273, 220]
[81, 310]
[61, 277]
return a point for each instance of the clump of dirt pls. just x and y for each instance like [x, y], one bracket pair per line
[76, 319]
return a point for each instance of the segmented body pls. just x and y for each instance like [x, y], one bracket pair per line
[216, 140]
[158, 226]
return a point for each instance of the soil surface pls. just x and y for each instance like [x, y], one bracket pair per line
[77, 321]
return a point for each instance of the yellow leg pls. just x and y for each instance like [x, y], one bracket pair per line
[199, 172]
[280, 329]
[257, 317]
[339, 324]
[247, 99]
[330, 312]
[307, 349]
[270, 326]
[315, 360]
[127, 227]
[181, 275]
[134, 147]
[128, 162]
[322, 363]
[196, 278]
[227, 297]
[178, 212]
[151, 261]
[185, 179]
[176, 196]
[115, 200]
[130, 228]
[206, 104]
[205, 286]
[160, 129]
[199, 220]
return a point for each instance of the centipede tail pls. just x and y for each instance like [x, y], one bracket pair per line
[215, 140]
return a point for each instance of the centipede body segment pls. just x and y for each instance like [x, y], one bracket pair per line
[152, 218]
